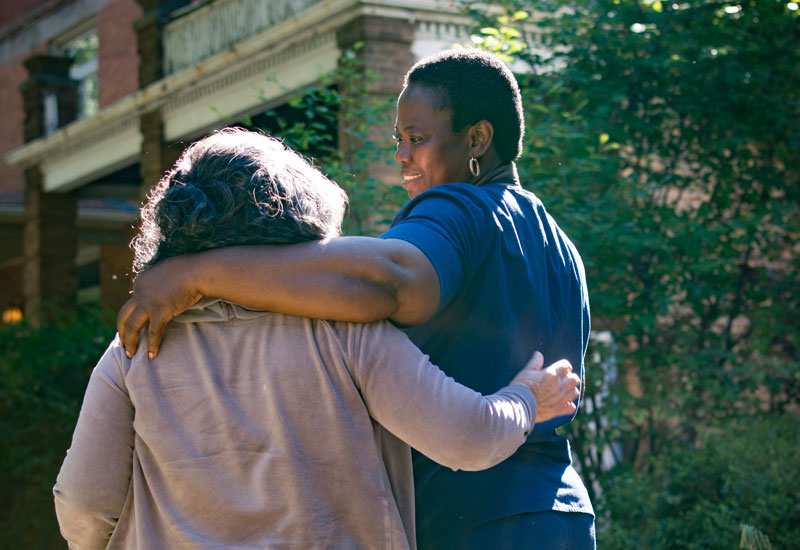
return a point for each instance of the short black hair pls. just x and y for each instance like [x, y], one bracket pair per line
[475, 85]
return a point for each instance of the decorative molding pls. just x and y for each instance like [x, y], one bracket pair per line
[218, 26]
[88, 157]
[441, 29]
[228, 84]
[254, 68]
[249, 87]
[103, 135]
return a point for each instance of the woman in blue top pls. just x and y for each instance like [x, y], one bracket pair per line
[473, 265]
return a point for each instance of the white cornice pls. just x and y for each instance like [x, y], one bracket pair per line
[208, 77]
[302, 27]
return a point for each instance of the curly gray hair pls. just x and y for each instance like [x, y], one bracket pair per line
[236, 187]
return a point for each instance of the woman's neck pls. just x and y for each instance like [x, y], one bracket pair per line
[505, 173]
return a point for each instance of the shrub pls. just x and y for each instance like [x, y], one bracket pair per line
[699, 497]
[43, 376]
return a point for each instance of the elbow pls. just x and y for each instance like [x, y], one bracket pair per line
[82, 523]
[382, 299]
[493, 453]
[409, 283]
[478, 452]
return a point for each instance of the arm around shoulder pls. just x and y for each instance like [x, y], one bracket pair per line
[358, 279]
[444, 420]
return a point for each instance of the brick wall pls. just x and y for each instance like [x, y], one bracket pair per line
[157, 157]
[12, 9]
[50, 276]
[118, 62]
[47, 74]
[151, 52]
[12, 120]
[387, 48]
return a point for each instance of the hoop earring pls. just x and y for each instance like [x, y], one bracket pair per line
[474, 167]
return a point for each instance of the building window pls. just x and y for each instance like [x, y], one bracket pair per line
[83, 49]
[50, 112]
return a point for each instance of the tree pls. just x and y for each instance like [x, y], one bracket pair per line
[665, 139]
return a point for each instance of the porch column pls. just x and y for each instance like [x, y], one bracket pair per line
[50, 99]
[386, 52]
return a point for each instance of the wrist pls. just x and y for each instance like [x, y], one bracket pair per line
[192, 274]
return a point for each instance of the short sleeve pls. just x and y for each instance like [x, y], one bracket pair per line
[453, 232]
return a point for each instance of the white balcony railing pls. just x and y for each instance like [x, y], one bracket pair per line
[215, 27]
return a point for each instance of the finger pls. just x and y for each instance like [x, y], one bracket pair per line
[574, 394]
[536, 362]
[568, 392]
[122, 317]
[132, 327]
[569, 408]
[562, 367]
[155, 331]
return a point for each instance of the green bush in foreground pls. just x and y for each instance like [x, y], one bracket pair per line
[43, 376]
[698, 498]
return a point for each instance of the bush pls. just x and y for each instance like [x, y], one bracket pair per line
[43, 376]
[698, 498]
[661, 141]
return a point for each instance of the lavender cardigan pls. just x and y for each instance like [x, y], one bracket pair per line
[258, 430]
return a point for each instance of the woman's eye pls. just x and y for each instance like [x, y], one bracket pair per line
[414, 139]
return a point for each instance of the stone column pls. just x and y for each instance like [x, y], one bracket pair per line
[386, 48]
[156, 157]
[149, 29]
[51, 237]
[48, 87]
[386, 53]
[51, 242]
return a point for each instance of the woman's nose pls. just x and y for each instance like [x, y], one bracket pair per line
[401, 153]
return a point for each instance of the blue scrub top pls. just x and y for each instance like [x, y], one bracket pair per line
[511, 283]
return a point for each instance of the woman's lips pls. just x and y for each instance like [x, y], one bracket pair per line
[410, 178]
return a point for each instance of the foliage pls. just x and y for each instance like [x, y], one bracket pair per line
[665, 138]
[696, 498]
[43, 375]
[753, 539]
[342, 122]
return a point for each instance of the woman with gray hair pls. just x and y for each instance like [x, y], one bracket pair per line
[254, 429]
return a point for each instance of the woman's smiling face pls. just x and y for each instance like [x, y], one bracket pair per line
[428, 150]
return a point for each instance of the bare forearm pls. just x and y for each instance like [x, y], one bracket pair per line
[357, 279]
[345, 279]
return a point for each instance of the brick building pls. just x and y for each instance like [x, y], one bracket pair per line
[98, 98]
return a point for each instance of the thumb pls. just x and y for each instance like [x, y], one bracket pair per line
[536, 362]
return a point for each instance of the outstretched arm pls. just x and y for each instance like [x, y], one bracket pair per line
[357, 279]
[448, 422]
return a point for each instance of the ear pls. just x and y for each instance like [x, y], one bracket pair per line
[480, 138]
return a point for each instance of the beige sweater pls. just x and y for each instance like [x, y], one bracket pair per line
[258, 430]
